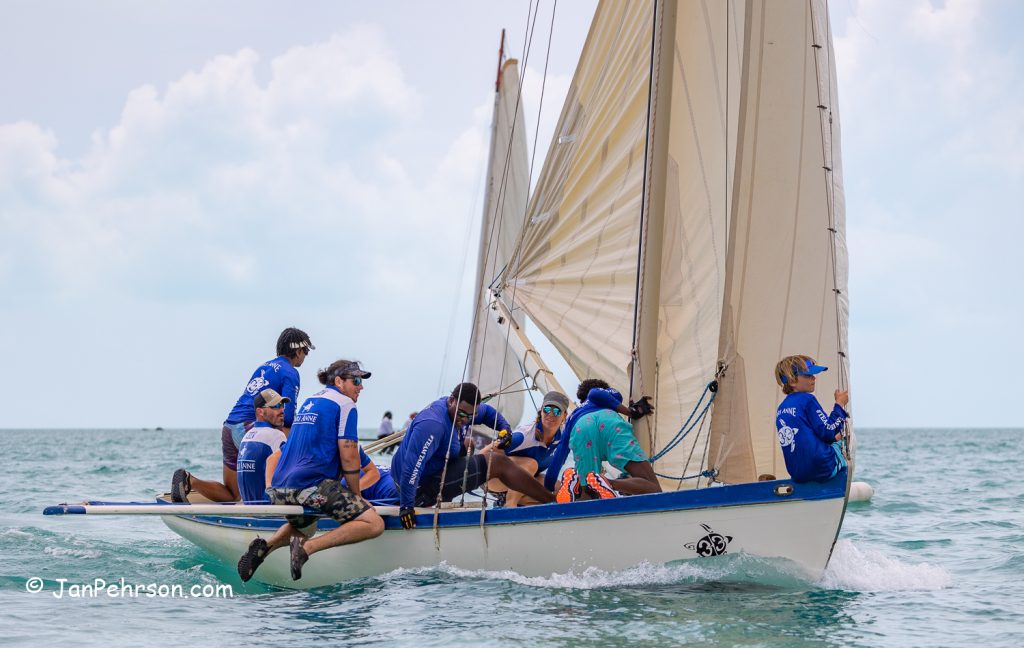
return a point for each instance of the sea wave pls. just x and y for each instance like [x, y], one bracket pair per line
[76, 553]
[866, 570]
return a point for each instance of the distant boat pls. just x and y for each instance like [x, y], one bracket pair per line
[686, 231]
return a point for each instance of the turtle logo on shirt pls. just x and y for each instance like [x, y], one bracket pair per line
[257, 383]
[787, 436]
[713, 544]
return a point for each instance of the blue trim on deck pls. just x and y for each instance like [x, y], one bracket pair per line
[717, 497]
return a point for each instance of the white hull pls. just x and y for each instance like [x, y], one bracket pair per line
[801, 531]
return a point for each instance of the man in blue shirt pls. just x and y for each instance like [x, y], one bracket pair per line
[322, 447]
[375, 482]
[438, 437]
[260, 443]
[279, 374]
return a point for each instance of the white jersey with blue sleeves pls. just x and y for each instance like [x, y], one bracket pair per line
[257, 445]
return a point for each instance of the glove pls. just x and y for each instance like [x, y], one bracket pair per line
[504, 439]
[408, 517]
[641, 408]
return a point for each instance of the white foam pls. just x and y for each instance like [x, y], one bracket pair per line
[742, 567]
[15, 533]
[867, 570]
[77, 553]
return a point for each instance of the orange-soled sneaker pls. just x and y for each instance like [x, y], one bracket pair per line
[570, 488]
[598, 485]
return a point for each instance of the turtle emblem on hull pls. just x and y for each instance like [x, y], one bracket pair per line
[713, 544]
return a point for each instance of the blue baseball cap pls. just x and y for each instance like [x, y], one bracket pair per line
[811, 370]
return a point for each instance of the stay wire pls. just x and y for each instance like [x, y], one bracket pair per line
[544, 76]
[465, 366]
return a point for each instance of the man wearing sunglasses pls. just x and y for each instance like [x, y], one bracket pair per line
[261, 446]
[322, 447]
[436, 437]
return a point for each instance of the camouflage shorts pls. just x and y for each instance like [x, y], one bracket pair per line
[329, 497]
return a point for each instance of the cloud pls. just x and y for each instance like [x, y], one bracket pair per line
[205, 185]
[933, 158]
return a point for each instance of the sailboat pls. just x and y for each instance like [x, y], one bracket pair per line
[686, 231]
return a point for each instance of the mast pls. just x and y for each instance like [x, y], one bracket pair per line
[644, 366]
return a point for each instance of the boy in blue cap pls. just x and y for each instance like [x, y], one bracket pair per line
[811, 441]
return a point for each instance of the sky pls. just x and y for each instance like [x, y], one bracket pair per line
[179, 181]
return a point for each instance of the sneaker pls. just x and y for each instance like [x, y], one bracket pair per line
[181, 486]
[299, 557]
[599, 486]
[252, 559]
[499, 499]
[570, 488]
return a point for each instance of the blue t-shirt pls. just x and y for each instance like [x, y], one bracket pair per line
[257, 445]
[527, 441]
[806, 436]
[311, 454]
[277, 374]
[383, 491]
[429, 441]
[597, 399]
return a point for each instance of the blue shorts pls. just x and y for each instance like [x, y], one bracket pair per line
[230, 438]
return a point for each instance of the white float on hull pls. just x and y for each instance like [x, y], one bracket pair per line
[861, 491]
[791, 529]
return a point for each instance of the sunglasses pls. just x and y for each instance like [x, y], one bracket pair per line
[278, 406]
[463, 415]
[356, 380]
[551, 409]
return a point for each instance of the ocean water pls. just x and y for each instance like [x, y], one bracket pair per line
[935, 559]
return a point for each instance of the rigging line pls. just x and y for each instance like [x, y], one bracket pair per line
[455, 301]
[685, 430]
[827, 154]
[704, 453]
[517, 253]
[465, 366]
[533, 160]
[500, 200]
[645, 203]
[501, 212]
[444, 469]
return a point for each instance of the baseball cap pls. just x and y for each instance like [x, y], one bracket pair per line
[269, 398]
[353, 369]
[556, 398]
[811, 370]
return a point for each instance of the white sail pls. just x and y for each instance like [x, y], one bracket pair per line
[492, 364]
[575, 274]
[787, 267]
[743, 242]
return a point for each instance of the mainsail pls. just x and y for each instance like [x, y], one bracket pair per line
[492, 364]
[692, 230]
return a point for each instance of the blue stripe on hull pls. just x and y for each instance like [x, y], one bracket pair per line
[722, 496]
